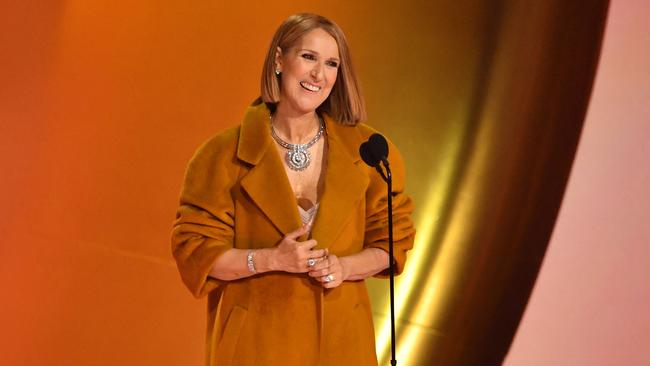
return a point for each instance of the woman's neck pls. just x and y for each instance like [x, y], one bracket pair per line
[295, 128]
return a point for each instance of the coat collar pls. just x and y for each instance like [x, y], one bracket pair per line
[268, 186]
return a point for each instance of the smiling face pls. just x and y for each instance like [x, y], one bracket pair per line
[309, 69]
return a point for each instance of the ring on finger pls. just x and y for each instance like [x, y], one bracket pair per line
[311, 262]
[329, 278]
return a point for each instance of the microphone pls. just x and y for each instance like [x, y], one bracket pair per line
[374, 152]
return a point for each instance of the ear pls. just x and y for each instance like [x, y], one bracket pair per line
[278, 59]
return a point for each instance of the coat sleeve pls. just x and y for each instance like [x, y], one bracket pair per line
[204, 225]
[376, 232]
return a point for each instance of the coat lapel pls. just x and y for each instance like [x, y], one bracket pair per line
[268, 186]
[266, 183]
[345, 183]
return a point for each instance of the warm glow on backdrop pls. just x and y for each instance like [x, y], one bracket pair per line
[102, 103]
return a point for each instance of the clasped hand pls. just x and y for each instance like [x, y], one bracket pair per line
[300, 257]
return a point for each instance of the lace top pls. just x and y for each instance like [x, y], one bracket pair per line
[307, 216]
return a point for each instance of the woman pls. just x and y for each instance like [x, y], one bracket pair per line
[280, 221]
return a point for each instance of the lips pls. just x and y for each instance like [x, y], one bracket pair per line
[309, 86]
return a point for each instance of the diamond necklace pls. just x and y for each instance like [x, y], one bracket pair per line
[298, 157]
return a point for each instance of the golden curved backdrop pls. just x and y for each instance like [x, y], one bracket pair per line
[102, 103]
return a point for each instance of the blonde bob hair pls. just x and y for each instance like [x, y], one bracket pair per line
[345, 103]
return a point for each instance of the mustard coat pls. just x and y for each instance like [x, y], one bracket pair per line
[236, 194]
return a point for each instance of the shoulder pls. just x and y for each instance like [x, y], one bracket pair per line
[365, 130]
[220, 146]
[217, 155]
[213, 166]
[221, 142]
[247, 141]
[360, 133]
[351, 136]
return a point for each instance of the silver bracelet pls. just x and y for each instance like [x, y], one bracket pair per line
[249, 261]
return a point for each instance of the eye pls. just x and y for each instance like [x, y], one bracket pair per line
[332, 63]
[308, 56]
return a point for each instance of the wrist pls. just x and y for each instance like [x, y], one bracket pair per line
[345, 267]
[250, 261]
[264, 260]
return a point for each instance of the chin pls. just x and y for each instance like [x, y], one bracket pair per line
[308, 107]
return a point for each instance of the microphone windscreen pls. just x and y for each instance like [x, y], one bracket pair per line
[378, 146]
[365, 150]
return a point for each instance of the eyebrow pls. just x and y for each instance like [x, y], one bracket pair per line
[310, 50]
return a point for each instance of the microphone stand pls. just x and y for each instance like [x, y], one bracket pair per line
[388, 178]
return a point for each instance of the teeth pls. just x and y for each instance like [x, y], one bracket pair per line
[308, 86]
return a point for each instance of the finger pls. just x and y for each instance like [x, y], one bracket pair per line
[294, 235]
[309, 244]
[318, 253]
[333, 280]
[323, 264]
[332, 284]
[320, 273]
[320, 276]
[313, 262]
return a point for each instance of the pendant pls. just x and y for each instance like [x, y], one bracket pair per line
[298, 159]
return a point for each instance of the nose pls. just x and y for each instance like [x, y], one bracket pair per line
[317, 71]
